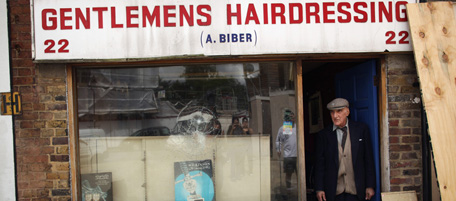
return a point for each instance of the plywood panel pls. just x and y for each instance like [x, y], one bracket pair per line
[433, 34]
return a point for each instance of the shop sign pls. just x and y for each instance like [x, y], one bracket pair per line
[118, 29]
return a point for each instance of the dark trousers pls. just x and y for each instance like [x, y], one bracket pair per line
[346, 197]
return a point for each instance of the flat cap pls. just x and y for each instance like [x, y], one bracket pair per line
[337, 103]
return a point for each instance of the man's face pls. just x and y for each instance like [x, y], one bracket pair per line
[339, 116]
[245, 123]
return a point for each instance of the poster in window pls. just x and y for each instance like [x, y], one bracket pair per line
[315, 113]
[97, 186]
[193, 181]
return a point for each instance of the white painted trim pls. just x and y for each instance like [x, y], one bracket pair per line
[7, 174]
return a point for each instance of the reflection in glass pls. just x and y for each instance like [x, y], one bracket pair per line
[141, 123]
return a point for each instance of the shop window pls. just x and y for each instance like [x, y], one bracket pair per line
[167, 133]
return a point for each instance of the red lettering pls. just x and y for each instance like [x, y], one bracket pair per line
[100, 11]
[327, 12]
[314, 13]
[292, 15]
[167, 15]
[151, 18]
[130, 15]
[113, 19]
[372, 11]
[52, 20]
[343, 11]
[265, 13]
[236, 14]
[401, 16]
[188, 16]
[64, 18]
[206, 15]
[79, 17]
[251, 15]
[362, 12]
[382, 10]
[280, 13]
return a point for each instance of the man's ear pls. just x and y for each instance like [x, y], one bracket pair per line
[348, 111]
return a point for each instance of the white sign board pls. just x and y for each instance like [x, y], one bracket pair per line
[119, 29]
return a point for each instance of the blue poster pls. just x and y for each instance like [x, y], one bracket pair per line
[193, 181]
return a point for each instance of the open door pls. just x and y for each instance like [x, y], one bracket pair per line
[357, 86]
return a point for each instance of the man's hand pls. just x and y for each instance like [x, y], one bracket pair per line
[321, 196]
[279, 153]
[369, 193]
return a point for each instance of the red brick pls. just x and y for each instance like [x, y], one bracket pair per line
[24, 72]
[27, 124]
[23, 62]
[393, 106]
[401, 181]
[394, 156]
[39, 107]
[19, 9]
[60, 141]
[36, 159]
[46, 116]
[410, 139]
[29, 133]
[400, 114]
[393, 122]
[408, 156]
[27, 107]
[29, 98]
[60, 158]
[399, 131]
[26, 89]
[23, 81]
[394, 140]
[405, 164]
[410, 188]
[395, 188]
[400, 148]
[20, 28]
[411, 172]
[40, 167]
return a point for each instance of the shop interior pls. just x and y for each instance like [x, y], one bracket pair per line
[131, 118]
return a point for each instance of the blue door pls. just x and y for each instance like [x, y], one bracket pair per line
[357, 86]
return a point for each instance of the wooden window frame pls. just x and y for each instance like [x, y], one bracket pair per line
[295, 59]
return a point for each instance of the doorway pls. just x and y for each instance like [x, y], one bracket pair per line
[323, 81]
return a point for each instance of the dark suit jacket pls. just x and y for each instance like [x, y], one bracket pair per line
[327, 160]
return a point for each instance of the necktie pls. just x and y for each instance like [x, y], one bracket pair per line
[344, 136]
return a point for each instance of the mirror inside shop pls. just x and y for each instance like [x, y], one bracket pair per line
[191, 132]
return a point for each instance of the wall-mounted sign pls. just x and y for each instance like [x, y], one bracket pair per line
[117, 29]
[11, 103]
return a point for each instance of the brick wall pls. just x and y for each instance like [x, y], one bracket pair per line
[41, 135]
[404, 105]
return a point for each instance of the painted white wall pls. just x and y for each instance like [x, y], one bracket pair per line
[7, 182]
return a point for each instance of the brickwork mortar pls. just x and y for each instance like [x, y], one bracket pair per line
[41, 136]
[404, 117]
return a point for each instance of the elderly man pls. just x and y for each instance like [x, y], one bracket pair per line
[344, 169]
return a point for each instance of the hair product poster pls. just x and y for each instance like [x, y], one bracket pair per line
[193, 181]
[97, 186]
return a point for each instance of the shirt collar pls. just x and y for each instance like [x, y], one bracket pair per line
[335, 127]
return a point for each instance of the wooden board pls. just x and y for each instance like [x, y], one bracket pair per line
[433, 34]
[402, 196]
